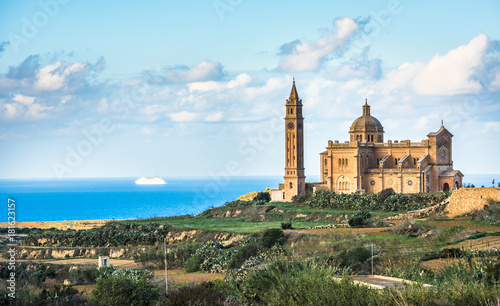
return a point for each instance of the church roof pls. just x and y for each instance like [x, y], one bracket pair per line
[366, 122]
[451, 173]
[294, 96]
[441, 130]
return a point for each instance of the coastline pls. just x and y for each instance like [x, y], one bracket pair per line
[64, 225]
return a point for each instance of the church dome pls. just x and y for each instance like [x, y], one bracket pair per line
[366, 123]
[367, 127]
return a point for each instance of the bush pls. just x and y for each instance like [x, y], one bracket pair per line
[210, 257]
[272, 237]
[178, 256]
[490, 213]
[86, 275]
[122, 290]
[357, 259]
[262, 197]
[359, 218]
[242, 254]
[386, 201]
[198, 294]
[302, 198]
[410, 228]
[151, 256]
[384, 194]
[298, 283]
[286, 225]
[193, 263]
[65, 295]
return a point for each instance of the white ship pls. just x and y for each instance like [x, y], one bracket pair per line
[151, 181]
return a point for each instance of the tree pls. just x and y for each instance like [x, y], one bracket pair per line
[262, 197]
[122, 290]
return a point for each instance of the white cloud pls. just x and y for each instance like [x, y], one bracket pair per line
[307, 56]
[52, 77]
[445, 75]
[197, 72]
[66, 99]
[24, 99]
[452, 73]
[12, 110]
[492, 126]
[48, 78]
[495, 84]
[240, 80]
[214, 117]
[184, 116]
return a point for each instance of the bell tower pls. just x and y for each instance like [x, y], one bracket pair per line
[295, 181]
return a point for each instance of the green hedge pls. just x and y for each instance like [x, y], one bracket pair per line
[394, 203]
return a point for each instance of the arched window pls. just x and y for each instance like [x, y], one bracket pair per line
[291, 185]
[414, 161]
[291, 111]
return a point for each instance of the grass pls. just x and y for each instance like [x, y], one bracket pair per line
[237, 225]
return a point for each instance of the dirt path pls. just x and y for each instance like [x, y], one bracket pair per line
[349, 230]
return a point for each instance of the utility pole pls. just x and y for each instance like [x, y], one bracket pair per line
[372, 258]
[166, 270]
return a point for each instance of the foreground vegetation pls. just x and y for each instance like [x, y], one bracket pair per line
[269, 258]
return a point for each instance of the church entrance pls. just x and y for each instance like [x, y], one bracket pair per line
[446, 187]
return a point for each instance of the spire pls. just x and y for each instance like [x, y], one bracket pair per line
[366, 108]
[293, 94]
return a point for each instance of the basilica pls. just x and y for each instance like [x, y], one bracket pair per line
[366, 163]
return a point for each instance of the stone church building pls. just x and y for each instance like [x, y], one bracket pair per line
[366, 163]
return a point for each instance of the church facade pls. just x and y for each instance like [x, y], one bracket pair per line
[366, 163]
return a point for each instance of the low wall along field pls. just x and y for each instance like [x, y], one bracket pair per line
[465, 200]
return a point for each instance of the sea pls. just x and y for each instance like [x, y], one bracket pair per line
[121, 198]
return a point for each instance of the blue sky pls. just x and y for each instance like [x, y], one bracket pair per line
[114, 88]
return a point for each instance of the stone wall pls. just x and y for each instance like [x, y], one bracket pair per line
[465, 200]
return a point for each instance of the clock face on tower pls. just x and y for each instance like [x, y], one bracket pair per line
[441, 154]
[290, 125]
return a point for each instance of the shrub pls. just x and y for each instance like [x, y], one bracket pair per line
[410, 228]
[178, 256]
[193, 263]
[357, 259]
[359, 218]
[302, 198]
[210, 257]
[242, 254]
[262, 197]
[151, 256]
[490, 213]
[298, 283]
[272, 237]
[122, 290]
[198, 294]
[65, 295]
[86, 275]
[286, 225]
[384, 194]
